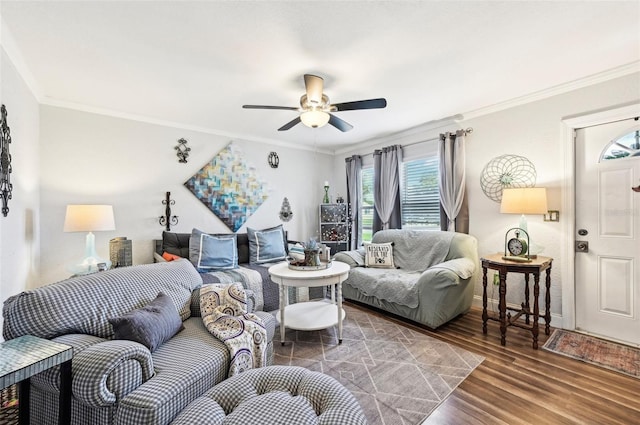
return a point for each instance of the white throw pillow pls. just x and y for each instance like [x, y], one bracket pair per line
[379, 255]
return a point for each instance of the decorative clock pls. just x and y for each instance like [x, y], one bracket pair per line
[516, 245]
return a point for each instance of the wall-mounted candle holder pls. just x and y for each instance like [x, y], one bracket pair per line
[168, 220]
[182, 151]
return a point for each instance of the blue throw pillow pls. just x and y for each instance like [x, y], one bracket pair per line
[266, 245]
[151, 325]
[210, 252]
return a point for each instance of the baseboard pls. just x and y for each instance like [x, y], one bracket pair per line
[492, 305]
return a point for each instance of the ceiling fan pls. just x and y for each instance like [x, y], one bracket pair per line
[315, 108]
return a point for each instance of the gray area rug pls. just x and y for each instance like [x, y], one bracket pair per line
[398, 375]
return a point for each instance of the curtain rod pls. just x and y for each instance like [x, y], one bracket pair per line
[467, 130]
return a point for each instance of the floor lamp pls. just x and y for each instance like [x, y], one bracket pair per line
[89, 218]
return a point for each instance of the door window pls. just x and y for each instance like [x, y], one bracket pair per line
[626, 146]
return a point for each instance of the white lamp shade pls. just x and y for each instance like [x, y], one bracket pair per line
[89, 218]
[314, 119]
[524, 200]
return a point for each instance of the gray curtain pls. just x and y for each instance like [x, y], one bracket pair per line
[386, 188]
[354, 199]
[454, 211]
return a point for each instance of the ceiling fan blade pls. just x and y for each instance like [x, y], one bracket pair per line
[313, 85]
[339, 123]
[286, 108]
[360, 104]
[290, 124]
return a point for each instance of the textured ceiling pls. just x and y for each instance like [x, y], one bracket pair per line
[197, 63]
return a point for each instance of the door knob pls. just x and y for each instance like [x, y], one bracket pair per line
[583, 232]
[582, 246]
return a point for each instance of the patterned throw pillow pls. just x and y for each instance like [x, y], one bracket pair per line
[266, 245]
[151, 325]
[379, 255]
[209, 252]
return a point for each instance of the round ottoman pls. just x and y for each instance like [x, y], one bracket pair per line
[285, 395]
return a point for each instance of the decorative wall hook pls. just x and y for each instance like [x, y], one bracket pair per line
[182, 151]
[5, 162]
[167, 220]
[273, 160]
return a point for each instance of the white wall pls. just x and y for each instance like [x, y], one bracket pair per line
[532, 130]
[20, 229]
[89, 158]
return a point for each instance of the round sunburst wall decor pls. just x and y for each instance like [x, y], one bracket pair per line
[506, 171]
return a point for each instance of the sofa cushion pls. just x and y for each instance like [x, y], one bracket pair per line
[267, 245]
[176, 243]
[393, 285]
[151, 325]
[210, 252]
[379, 255]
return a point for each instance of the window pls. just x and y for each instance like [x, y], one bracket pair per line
[366, 211]
[420, 196]
[627, 145]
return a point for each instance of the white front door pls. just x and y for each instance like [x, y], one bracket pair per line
[607, 288]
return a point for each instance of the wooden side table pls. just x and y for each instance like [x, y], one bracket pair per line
[535, 267]
[25, 356]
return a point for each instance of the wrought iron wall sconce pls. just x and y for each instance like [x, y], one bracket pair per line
[168, 220]
[273, 160]
[285, 211]
[182, 151]
[6, 187]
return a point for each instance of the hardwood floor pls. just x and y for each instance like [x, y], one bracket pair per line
[519, 385]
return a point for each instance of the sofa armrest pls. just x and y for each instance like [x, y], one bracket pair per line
[158, 258]
[442, 276]
[463, 267]
[109, 370]
[353, 258]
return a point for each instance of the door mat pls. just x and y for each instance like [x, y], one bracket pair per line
[610, 355]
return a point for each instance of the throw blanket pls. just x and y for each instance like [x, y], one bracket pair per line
[224, 313]
[251, 279]
[393, 285]
[416, 250]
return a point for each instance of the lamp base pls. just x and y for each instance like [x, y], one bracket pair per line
[89, 265]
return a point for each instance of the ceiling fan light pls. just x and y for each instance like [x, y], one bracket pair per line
[314, 119]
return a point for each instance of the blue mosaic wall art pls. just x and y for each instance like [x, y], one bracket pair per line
[229, 187]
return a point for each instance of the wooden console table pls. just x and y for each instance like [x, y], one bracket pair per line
[535, 267]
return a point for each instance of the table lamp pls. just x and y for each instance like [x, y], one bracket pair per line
[525, 200]
[89, 218]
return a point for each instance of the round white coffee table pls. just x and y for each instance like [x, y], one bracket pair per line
[310, 315]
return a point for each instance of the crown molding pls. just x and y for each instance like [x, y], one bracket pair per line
[410, 135]
[600, 77]
[172, 124]
[10, 47]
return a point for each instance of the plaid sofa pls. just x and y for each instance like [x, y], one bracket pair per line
[121, 381]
